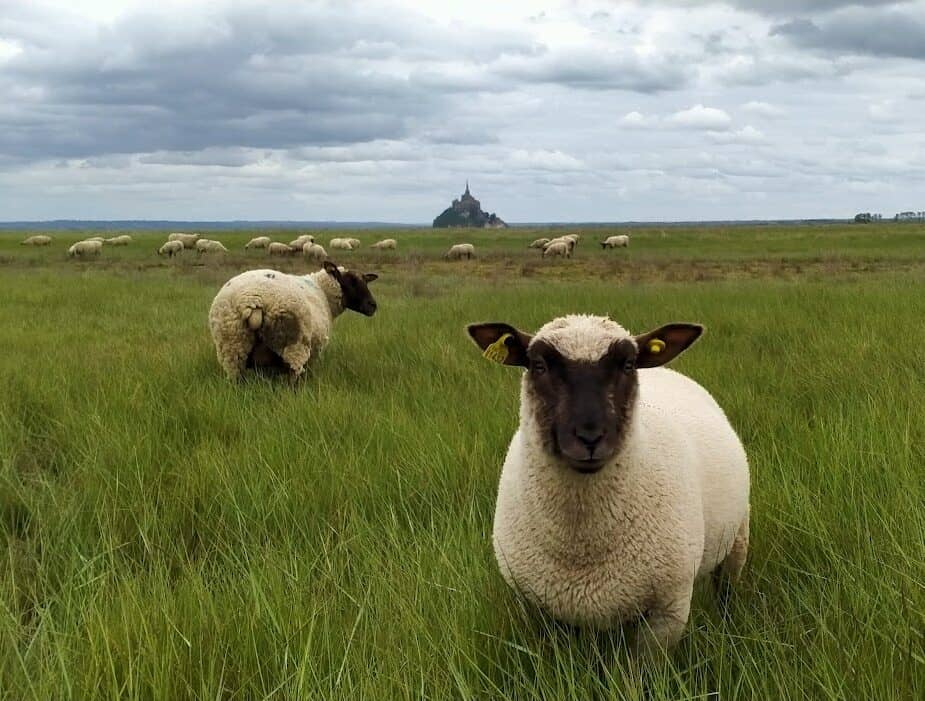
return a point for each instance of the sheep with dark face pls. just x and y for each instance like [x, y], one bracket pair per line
[625, 481]
[267, 318]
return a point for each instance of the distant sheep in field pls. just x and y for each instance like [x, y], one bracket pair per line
[354, 243]
[567, 240]
[300, 241]
[123, 240]
[621, 241]
[276, 248]
[188, 240]
[538, 243]
[341, 245]
[39, 240]
[460, 251]
[558, 248]
[170, 249]
[208, 246]
[265, 318]
[259, 242]
[85, 249]
[385, 244]
[314, 251]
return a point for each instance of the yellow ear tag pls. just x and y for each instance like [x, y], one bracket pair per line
[656, 346]
[497, 351]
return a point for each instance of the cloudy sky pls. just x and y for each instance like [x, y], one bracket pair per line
[554, 111]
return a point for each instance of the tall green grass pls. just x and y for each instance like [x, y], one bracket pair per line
[166, 534]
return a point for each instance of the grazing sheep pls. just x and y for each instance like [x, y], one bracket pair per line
[299, 242]
[170, 249]
[459, 251]
[314, 251]
[385, 244]
[188, 240]
[39, 240]
[85, 249]
[341, 245]
[208, 246]
[539, 243]
[259, 242]
[623, 484]
[265, 318]
[568, 241]
[621, 241]
[558, 248]
[123, 240]
[280, 249]
[354, 243]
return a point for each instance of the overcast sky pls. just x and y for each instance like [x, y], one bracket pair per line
[554, 111]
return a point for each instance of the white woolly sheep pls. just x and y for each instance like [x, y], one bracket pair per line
[558, 248]
[209, 246]
[276, 248]
[354, 243]
[300, 241]
[188, 240]
[265, 318]
[170, 249]
[341, 245]
[85, 249]
[39, 240]
[625, 481]
[459, 251]
[621, 241]
[385, 244]
[314, 251]
[259, 242]
[538, 243]
[567, 240]
[123, 240]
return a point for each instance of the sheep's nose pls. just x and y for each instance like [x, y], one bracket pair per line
[590, 436]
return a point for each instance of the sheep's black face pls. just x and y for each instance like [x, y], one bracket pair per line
[356, 292]
[582, 407]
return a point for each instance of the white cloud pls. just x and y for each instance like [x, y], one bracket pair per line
[700, 117]
[746, 135]
[763, 109]
[555, 161]
[637, 120]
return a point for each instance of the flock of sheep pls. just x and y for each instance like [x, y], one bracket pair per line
[305, 245]
[624, 483]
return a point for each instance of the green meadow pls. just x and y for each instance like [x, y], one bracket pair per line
[166, 534]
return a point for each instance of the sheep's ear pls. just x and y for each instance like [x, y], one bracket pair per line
[369, 277]
[501, 342]
[665, 343]
[330, 267]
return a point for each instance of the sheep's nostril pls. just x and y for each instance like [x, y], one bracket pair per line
[590, 437]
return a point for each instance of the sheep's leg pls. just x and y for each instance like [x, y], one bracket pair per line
[729, 570]
[664, 625]
[296, 356]
[232, 354]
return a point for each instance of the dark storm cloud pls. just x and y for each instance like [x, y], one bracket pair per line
[882, 33]
[247, 77]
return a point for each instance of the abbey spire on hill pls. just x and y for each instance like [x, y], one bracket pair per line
[467, 211]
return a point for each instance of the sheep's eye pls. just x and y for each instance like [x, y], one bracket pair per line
[539, 367]
[629, 365]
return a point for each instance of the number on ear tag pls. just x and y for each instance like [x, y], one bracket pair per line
[497, 351]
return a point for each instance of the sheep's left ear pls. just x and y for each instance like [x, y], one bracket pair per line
[369, 277]
[665, 343]
[501, 342]
[330, 267]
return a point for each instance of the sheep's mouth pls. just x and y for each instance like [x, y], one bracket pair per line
[588, 466]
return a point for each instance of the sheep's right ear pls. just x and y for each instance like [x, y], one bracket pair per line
[501, 342]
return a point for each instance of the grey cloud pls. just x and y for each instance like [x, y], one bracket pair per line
[881, 33]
